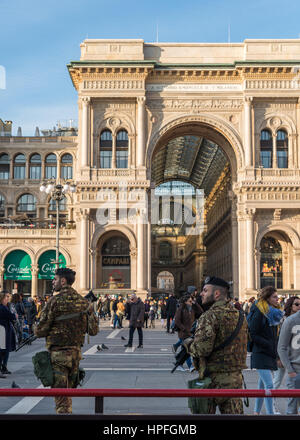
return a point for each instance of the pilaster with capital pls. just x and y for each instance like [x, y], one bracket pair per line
[84, 249]
[248, 131]
[249, 215]
[85, 118]
[34, 280]
[141, 115]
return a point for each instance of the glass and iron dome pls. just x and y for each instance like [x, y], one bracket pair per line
[193, 159]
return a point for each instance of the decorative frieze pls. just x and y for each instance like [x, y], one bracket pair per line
[201, 104]
[130, 84]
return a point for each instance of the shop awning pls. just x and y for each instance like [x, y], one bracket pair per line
[47, 266]
[17, 265]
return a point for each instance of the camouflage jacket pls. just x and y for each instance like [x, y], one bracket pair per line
[68, 332]
[213, 328]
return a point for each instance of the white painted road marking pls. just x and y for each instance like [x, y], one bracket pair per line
[114, 333]
[25, 405]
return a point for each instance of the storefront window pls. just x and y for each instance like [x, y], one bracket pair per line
[270, 263]
[115, 255]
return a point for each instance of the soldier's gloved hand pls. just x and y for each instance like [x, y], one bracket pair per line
[186, 343]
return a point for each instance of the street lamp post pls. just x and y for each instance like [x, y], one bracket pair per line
[57, 189]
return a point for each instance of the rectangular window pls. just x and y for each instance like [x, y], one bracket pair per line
[4, 172]
[19, 172]
[50, 172]
[105, 159]
[282, 159]
[67, 172]
[122, 159]
[35, 172]
[266, 159]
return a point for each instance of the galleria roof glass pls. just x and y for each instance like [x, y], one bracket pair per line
[193, 159]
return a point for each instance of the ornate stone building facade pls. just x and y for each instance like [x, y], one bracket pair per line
[223, 118]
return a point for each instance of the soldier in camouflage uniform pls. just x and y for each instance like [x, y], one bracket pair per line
[223, 366]
[65, 337]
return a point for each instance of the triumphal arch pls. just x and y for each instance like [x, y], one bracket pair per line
[188, 165]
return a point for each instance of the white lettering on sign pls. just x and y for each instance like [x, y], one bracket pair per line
[12, 268]
[194, 87]
[48, 268]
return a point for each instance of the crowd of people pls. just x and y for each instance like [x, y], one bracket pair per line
[270, 333]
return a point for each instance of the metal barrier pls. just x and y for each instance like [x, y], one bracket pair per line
[99, 394]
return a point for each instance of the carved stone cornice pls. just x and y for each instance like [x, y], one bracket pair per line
[109, 77]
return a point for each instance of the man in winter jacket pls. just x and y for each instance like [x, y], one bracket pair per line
[137, 312]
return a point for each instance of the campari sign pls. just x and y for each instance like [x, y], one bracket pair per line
[47, 264]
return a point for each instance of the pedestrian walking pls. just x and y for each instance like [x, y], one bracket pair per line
[6, 320]
[171, 308]
[263, 320]
[184, 319]
[288, 349]
[222, 365]
[15, 309]
[152, 316]
[31, 313]
[147, 310]
[64, 322]
[136, 320]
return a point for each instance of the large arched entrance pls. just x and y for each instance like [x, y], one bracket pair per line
[193, 166]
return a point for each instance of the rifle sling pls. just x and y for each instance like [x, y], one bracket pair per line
[233, 335]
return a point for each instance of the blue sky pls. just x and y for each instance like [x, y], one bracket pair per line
[38, 38]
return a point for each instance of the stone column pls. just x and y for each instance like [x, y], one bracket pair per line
[274, 161]
[141, 255]
[114, 152]
[34, 280]
[141, 131]
[250, 247]
[235, 251]
[2, 270]
[247, 131]
[84, 253]
[85, 131]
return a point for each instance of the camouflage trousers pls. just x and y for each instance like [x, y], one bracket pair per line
[65, 365]
[226, 405]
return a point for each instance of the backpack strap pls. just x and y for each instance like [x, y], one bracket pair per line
[233, 335]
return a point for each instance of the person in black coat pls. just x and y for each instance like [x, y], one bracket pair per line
[171, 308]
[263, 320]
[6, 320]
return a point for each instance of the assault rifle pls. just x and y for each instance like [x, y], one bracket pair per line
[26, 341]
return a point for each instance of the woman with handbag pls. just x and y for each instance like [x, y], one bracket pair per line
[263, 320]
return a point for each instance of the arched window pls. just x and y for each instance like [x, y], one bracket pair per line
[4, 167]
[122, 149]
[35, 167]
[266, 149]
[105, 149]
[27, 204]
[19, 166]
[282, 149]
[51, 166]
[2, 206]
[67, 166]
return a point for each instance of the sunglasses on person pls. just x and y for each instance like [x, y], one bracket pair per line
[297, 304]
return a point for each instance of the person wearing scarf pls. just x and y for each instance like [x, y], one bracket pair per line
[263, 320]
